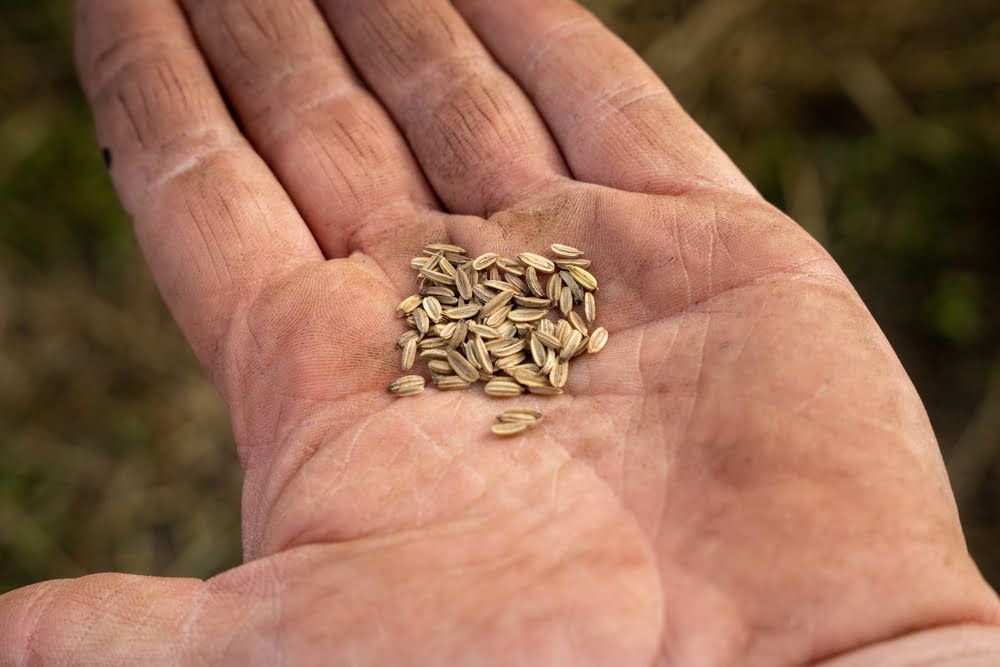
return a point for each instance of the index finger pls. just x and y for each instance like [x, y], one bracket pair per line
[213, 222]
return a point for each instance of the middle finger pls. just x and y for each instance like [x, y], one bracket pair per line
[481, 143]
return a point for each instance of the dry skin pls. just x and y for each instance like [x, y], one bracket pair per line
[510, 324]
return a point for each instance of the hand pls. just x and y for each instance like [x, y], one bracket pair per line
[745, 476]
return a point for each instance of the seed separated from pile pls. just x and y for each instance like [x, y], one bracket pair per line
[511, 324]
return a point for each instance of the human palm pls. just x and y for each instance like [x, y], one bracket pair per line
[744, 476]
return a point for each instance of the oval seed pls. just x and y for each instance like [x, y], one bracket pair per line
[531, 278]
[589, 307]
[407, 385]
[451, 382]
[563, 250]
[598, 340]
[559, 374]
[584, 277]
[566, 302]
[502, 387]
[537, 349]
[526, 314]
[484, 261]
[409, 354]
[462, 312]
[570, 344]
[519, 415]
[543, 264]
[445, 247]
[463, 284]
[554, 288]
[408, 305]
[433, 308]
[440, 366]
[577, 322]
[421, 321]
[462, 367]
[508, 429]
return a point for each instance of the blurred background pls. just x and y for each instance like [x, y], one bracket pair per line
[874, 124]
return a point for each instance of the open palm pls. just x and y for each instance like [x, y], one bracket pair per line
[745, 476]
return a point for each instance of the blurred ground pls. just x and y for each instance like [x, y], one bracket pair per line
[873, 124]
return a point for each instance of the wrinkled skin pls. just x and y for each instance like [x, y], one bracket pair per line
[744, 476]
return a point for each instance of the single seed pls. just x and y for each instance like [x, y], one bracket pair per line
[462, 367]
[528, 378]
[559, 374]
[547, 339]
[445, 247]
[554, 288]
[531, 278]
[589, 307]
[562, 330]
[566, 263]
[546, 390]
[434, 353]
[532, 301]
[563, 250]
[519, 416]
[483, 331]
[501, 387]
[546, 326]
[494, 273]
[482, 355]
[458, 336]
[504, 348]
[437, 277]
[506, 329]
[409, 354]
[463, 284]
[470, 354]
[418, 263]
[500, 286]
[446, 267]
[497, 318]
[597, 340]
[537, 349]
[440, 366]
[526, 315]
[462, 312]
[584, 277]
[577, 323]
[432, 343]
[507, 429]
[451, 382]
[439, 291]
[482, 293]
[445, 330]
[484, 261]
[408, 305]
[570, 344]
[543, 264]
[405, 338]
[509, 361]
[433, 308]
[407, 385]
[566, 302]
[421, 321]
[550, 360]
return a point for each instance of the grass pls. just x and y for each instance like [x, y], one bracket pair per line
[873, 124]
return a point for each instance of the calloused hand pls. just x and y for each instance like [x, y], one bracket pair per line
[745, 476]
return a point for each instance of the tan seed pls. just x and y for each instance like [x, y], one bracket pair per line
[484, 261]
[445, 247]
[546, 326]
[439, 291]
[550, 361]
[433, 308]
[408, 305]
[584, 277]
[559, 374]
[437, 277]
[501, 387]
[562, 330]
[463, 284]
[407, 385]
[546, 390]
[519, 416]
[446, 267]
[528, 378]
[462, 312]
[440, 366]
[507, 429]
[509, 361]
[470, 354]
[547, 339]
[501, 286]
[573, 286]
[522, 287]
[409, 354]
[554, 288]
[570, 344]
[497, 318]
[421, 321]
[451, 382]
[566, 302]
[496, 303]
[563, 250]
[434, 353]
[482, 355]
[566, 263]
[532, 301]
[462, 367]
[445, 330]
[510, 267]
[577, 323]
[432, 343]
[543, 264]
[458, 336]
[405, 338]
[597, 340]
[531, 278]
[482, 293]
[537, 349]
[526, 314]
[589, 307]
[505, 348]
[418, 263]
[483, 331]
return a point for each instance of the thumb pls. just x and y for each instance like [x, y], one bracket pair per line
[106, 619]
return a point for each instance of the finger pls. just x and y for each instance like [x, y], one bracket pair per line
[214, 224]
[479, 140]
[334, 148]
[615, 121]
[107, 619]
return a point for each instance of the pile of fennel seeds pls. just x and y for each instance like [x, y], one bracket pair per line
[513, 325]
